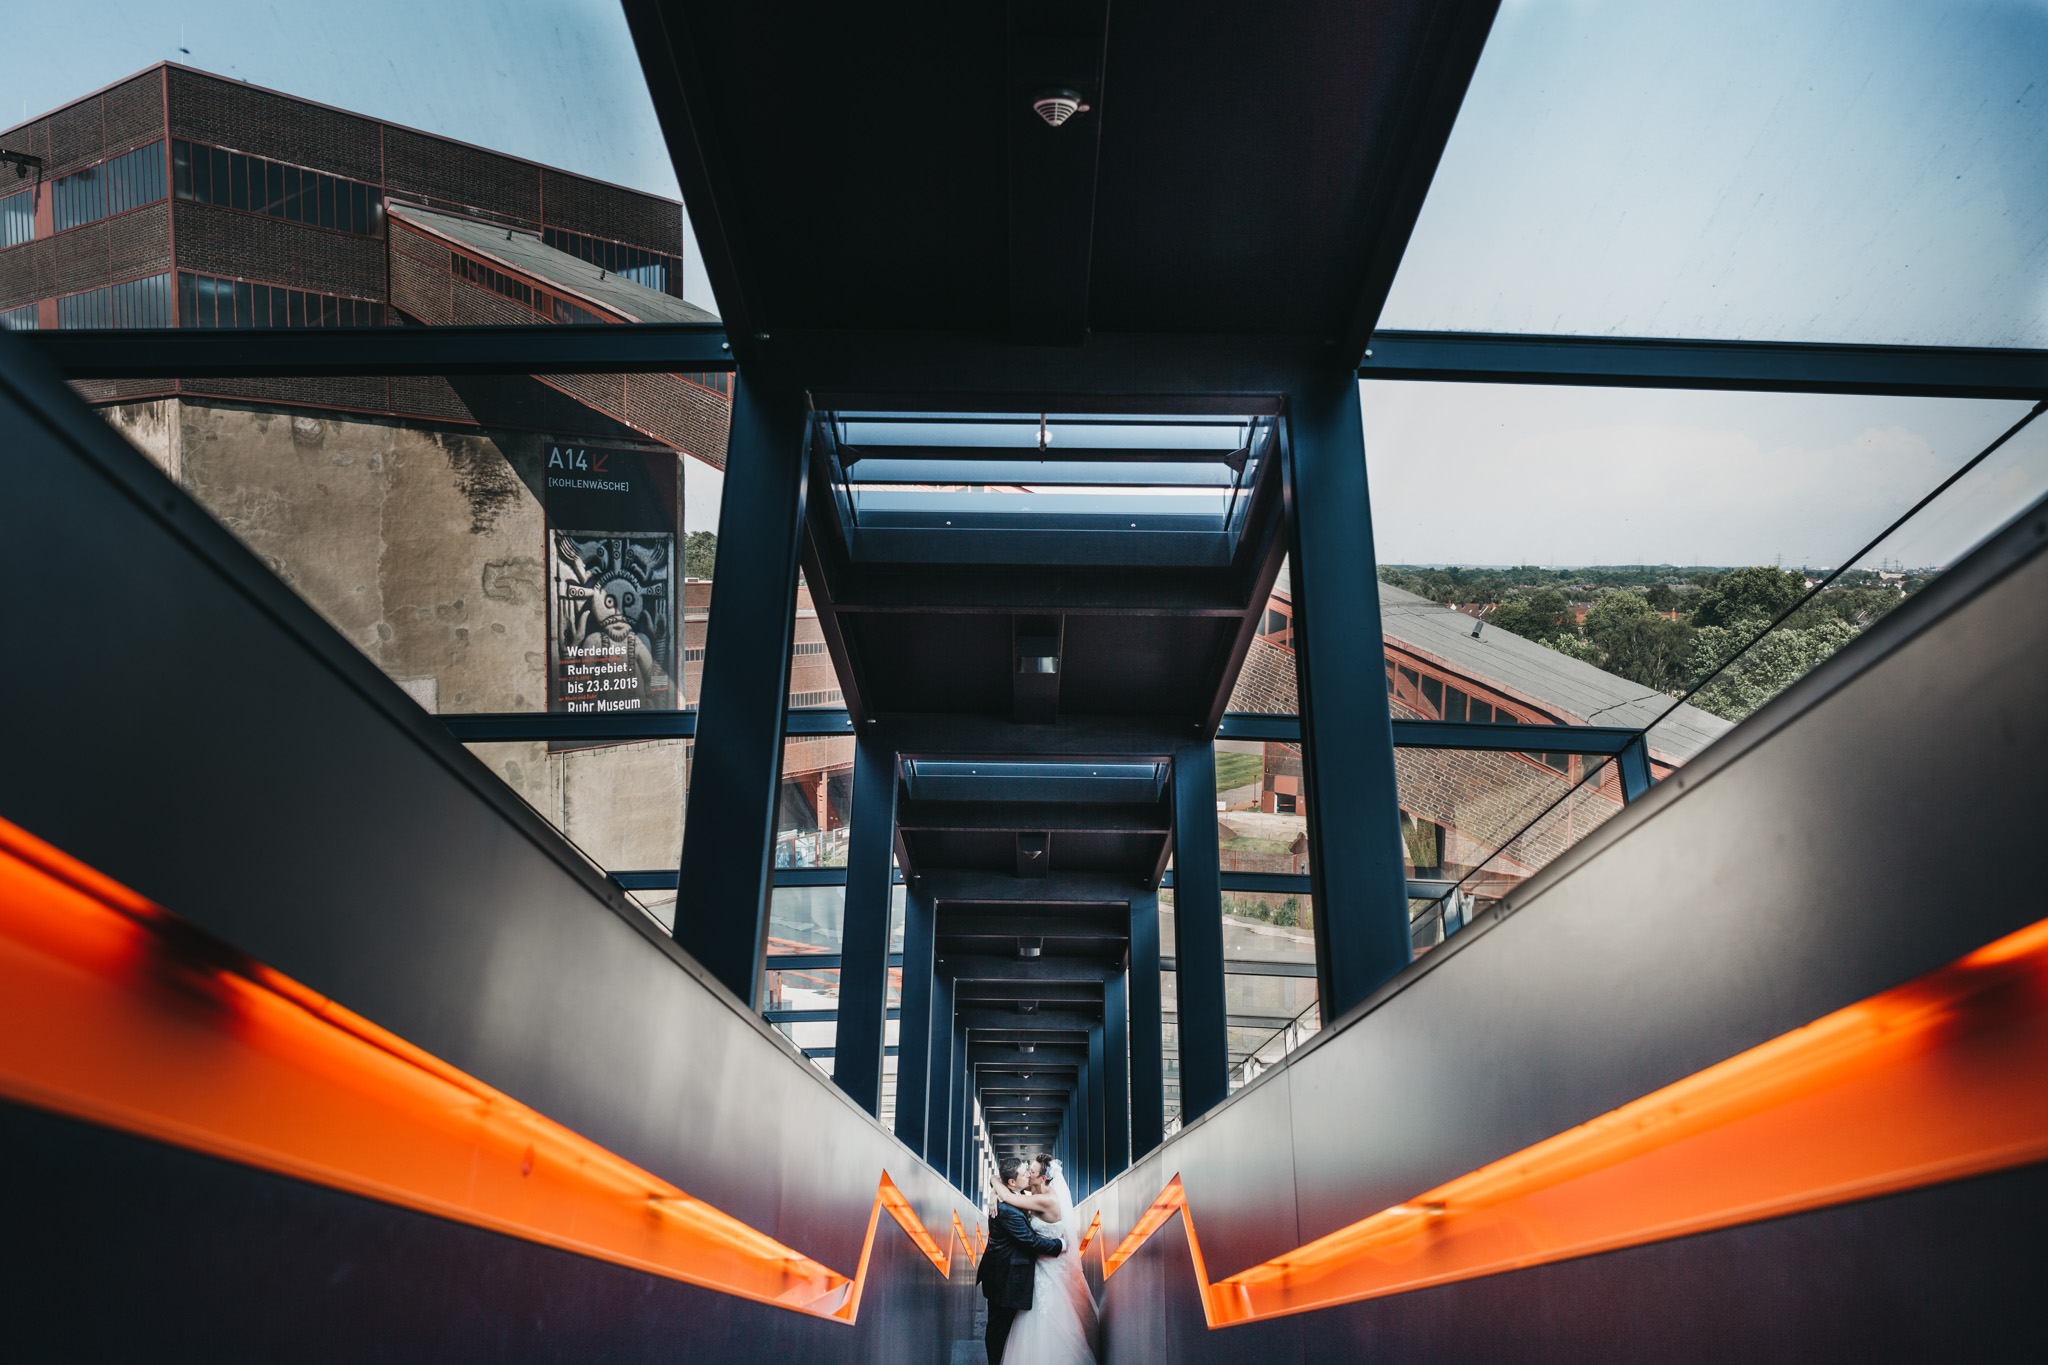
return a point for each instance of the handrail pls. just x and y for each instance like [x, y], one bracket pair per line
[117, 1012]
[1932, 1081]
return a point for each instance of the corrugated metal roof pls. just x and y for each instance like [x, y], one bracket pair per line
[527, 254]
[1589, 695]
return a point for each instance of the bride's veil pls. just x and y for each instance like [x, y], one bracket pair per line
[1056, 1181]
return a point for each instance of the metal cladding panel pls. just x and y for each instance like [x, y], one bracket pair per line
[1243, 1198]
[294, 803]
[1764, 886]
[240, 1264]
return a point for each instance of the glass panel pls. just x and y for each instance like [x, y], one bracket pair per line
[1833, 171]
[494, 545]
[1740, 666]
[371, 118]
[1565, 583]
[816, 803]
[1466, 810]
[811, 919]
[1269, 928]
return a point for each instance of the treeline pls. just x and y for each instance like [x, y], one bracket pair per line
[1670, 635]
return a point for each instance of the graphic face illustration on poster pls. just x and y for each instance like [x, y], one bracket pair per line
[611, 580]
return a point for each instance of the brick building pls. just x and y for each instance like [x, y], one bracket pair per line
[1463, 810]
[176, 198]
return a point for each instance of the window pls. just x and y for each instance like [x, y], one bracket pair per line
[497, 281]
[655, 270]
[17, 218]
[718, 381]
[79, 198]
[89, 309]
[211, 175]
[568, 312]
[22, 319]
[207, 301]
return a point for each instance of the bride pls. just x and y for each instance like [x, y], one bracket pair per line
[1059, 1328]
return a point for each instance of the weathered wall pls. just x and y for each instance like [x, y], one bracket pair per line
[422, 547]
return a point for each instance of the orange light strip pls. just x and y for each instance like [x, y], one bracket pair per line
[1094, 1227]
[1941, 1078]
[114, 1011]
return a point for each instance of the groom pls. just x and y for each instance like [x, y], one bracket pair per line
[1009, 1265]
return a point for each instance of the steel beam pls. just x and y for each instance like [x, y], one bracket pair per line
[1098, 1109]
[914, 1016]
[642, 348]
[976, 967]
[1769, 366]
[1059, 818]
[1116, 1075]
[1198, 932]
[735, 782]
[939, 1071]
[971, 993]
[864, 945]
[1354, 814]
[1148, 1094]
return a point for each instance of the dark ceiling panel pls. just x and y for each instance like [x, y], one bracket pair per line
[864, 147]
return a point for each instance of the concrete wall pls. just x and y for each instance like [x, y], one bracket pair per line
[422, 547]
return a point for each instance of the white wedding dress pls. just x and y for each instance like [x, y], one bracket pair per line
[1059, 1328]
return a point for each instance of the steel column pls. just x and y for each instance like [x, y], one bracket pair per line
[1356, 864]
[1634, 763]
[939, 1072]
[729, 834]
[1147, 1047]
[1198, 932]
[1098, 1110]
[914, 1018]
[963, 1112]
[864, 943]
[1116, 1075]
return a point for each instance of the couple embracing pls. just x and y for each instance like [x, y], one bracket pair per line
[1040, 1309]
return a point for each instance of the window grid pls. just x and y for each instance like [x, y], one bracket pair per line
[126, 182]
[208, 301]
[251, 184]
[653, 269]
[17, 218]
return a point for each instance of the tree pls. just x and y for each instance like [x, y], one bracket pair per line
[1771, 665]
[1537, 616]
[700, 553]
[1661, 597]
[1636, 643]
[1741, 593]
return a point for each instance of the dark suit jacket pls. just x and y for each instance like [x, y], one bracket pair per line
[1009, 1265]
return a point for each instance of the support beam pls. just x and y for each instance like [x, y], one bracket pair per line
[729, 835]
[1770, 366]
[864, 947]
[939, 1104]
[1098, 1111]
[1148, 1053]
[1116, 1075]
[915, 1016]
[665, 348]
[1198, 932]
[1354, 819]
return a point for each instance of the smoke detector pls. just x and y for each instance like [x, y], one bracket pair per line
[1057, 106]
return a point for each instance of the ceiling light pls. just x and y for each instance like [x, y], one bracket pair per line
[1057, 106]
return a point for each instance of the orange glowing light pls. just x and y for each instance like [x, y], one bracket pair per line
[1094, 1226]
[114, 1011]
[1935, 1080]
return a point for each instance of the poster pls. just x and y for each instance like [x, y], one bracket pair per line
[612, 580]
